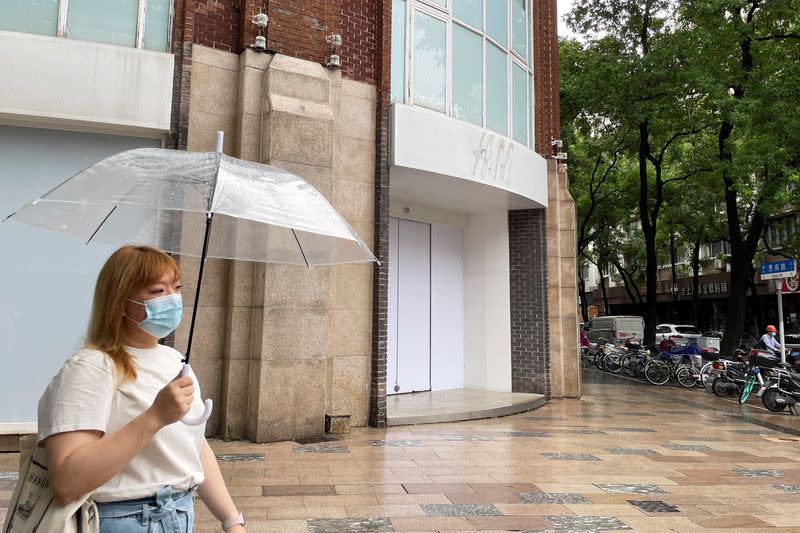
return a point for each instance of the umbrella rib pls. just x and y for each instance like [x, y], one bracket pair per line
[101, 224]
[301, 249]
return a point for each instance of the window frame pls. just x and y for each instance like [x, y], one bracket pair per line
[445, 14]
[61, 24]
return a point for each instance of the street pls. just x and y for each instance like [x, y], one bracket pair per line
[626, 456]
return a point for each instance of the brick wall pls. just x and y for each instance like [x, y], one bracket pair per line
[360, 47]
[182, 36]
[380, 278]
[530, 359]
[218, 24]
[545, 71]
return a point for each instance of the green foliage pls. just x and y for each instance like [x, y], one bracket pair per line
[700, 103]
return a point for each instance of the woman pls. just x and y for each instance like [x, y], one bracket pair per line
[109, 420]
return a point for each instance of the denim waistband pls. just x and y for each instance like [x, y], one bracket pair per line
[160, 507]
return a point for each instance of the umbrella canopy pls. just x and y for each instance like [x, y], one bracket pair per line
[163, 197]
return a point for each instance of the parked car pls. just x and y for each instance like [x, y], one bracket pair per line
[680, 333]
[710, 339]
[615, 328]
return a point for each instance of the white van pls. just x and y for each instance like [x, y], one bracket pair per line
[615, 328]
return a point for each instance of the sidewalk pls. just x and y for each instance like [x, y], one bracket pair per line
[626, 456]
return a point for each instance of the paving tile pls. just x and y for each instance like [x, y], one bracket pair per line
[750, 472]
[13, 476]
[571, 457]
[377, 511]
[654, 506]
[552, 497]
[349, 525]
[319, 448]
[731, 522]
[688, 447]
[435, 509]
[459, 438]
[431, 523]
[790, 488]
[293, 513]
[586, 523]
[508, 523]
[397, 443]
[491, 493]
[634, 430]
[297, 490]
[631, 451]
[631, 489]
[437, 488]
[540, 434]
[369, 489]
[240, 457]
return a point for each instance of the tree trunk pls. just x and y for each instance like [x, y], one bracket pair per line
[696, 286]
[604, 288]
[584, 304]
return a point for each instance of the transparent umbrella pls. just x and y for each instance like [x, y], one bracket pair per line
[168, 198]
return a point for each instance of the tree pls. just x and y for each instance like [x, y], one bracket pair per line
[635, 79]
[750, 53]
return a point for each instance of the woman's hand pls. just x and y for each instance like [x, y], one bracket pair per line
[173, 401]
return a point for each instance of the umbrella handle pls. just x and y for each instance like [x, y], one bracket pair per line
[196, 420]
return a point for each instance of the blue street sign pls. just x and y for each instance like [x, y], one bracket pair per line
[778, 269]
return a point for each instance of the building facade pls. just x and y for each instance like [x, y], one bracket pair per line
[428, 124]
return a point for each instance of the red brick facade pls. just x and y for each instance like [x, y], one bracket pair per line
[545, 71]
[296, 28]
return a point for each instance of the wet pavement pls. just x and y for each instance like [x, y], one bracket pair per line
[627, 456]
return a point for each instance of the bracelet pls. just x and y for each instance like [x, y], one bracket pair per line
[237, 520]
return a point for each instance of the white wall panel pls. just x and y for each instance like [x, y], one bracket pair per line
[67, 82]
[409, 354]
[447, 307]
[47, 279]
[487, 303]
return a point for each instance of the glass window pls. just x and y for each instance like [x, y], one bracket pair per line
[103, 21]
[156, 25]
[470, 11]
[519, 27]
[430, 41]
[467, 75]
[29, 16]
[497, 20]
[532, 111]
[520, 113]
[496, 89]
[398, 50]
[442, 3]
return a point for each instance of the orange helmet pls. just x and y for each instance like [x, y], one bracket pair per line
[771, 329]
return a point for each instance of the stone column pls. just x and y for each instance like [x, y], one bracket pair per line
[563, 294]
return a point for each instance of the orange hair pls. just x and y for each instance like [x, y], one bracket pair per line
[127, 271]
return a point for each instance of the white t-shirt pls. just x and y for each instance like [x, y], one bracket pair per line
[82, 397]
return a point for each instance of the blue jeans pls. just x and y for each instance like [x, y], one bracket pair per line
[166, 512]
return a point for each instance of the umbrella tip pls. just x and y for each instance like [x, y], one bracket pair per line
[220, 138]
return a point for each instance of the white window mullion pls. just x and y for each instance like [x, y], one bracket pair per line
[140, 19]
[448, 68]
[61, 25]
[483, 66]
[407, 90]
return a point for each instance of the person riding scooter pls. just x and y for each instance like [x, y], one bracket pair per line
[769, 343]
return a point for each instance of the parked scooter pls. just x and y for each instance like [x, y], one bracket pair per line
[783, 391]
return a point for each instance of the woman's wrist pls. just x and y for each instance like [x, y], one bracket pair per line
[234, 524]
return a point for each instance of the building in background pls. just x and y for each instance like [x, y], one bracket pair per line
[427, 123]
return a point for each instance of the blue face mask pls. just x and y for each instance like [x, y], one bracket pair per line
[772, 333]
[163, 315]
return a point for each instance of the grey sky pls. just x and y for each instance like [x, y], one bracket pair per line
[563, 9]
